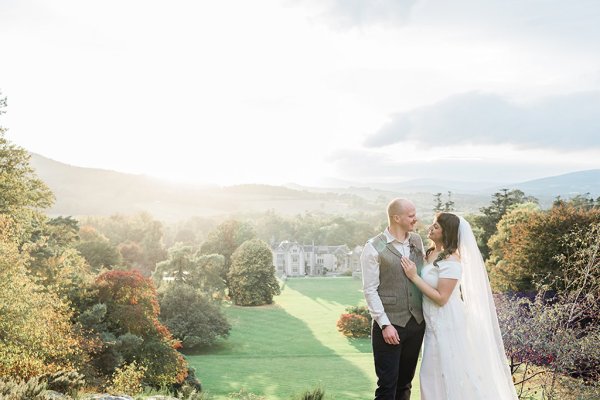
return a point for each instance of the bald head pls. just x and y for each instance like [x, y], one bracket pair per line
[404, 209]
[398, 206]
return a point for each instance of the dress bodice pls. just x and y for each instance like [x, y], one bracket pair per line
[431, 275]
[447, 269]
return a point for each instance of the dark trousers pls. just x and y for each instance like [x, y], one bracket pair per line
[395, 365]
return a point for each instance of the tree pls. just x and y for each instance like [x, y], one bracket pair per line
[53, 261]
[504, 276]
[531, 245]
[191, 317]
[125, 317]
[22, 194]
[437, 202]
[580, 272]
[186, 265]
[178, 265]
[225, 239]
[97, 249]
[131, 254]
[252, 279]
[449, 204]
[19, 186]
[35, 327]
[501, 203]
[579, 201]
[139, 239]
[273, 228]
[446, 206]
[207, 277]
[192, 231]
[339, 230]
[316, 228]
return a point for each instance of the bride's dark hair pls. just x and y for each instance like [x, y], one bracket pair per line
[449, 224]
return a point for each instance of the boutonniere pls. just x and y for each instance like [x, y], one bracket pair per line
[414, 248]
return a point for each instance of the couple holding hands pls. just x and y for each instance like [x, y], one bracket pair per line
[439, 297]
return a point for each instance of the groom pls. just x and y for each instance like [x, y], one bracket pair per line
[394, 301]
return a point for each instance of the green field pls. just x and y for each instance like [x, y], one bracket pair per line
[280, 350]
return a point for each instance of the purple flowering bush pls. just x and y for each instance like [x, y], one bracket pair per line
[552, 340]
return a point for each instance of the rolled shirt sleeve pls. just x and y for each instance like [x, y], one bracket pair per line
[369, 262]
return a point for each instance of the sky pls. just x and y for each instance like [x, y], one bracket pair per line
[315, 92]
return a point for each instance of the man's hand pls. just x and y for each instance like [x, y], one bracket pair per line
[390, 335]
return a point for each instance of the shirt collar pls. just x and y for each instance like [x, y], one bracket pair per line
[390, 238]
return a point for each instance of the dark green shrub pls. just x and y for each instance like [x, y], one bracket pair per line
[67, 382]
[191, 317]
[315, 394]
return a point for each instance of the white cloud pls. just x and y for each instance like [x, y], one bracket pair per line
[494, 164]
[563, 123]
[236, 91]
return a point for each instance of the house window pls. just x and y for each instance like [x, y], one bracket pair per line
[319, 261]
[295, 258]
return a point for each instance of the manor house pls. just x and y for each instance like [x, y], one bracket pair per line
[294, 259]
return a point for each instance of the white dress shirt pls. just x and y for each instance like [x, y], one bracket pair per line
[369, 262]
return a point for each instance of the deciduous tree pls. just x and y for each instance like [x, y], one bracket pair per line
[191, 317]
[225, 239]
[502, 202]
[252, 279]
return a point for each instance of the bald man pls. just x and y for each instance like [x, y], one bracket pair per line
[394, 301]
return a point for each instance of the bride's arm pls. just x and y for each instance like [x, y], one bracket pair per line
[440, 295]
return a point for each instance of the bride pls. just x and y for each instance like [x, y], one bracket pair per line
[463, 353]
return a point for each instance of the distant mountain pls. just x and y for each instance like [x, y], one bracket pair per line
[423, 185]
[89, 191]
[566, 185]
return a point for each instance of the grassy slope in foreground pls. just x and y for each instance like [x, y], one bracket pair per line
[280, 350]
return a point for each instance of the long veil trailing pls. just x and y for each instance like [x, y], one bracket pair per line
[480, 314]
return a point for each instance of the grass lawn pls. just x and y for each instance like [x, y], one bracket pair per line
[280, 350]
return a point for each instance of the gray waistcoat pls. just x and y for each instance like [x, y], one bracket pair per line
[400, 297]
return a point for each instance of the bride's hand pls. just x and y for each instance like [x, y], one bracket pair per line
[410, 268]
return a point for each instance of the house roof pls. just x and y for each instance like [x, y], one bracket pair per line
[309, 248]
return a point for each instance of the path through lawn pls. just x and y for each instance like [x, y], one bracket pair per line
[280, 350]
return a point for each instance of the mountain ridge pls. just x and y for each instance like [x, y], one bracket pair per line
[84, 191]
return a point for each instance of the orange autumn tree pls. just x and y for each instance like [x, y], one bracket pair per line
[527, 248]
[127, 311]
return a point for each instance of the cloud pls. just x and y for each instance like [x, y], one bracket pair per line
[567, 122]
[565, 22]
[575, 22]
[350, 13]
[372, 166]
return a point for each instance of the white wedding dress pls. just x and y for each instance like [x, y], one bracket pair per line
[463, 352]
[444, 333]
